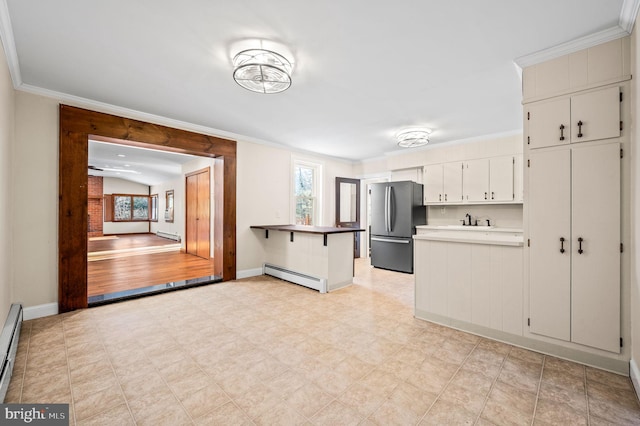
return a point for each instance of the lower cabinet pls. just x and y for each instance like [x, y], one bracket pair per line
[574, 254]
[480, 284]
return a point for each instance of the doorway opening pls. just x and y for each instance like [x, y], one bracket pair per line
[136, 235]
[77, 126]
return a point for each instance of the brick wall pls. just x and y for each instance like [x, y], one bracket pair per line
[95, 206]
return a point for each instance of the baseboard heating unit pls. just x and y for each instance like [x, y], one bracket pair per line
[9, 346]
[315, 283]
[168, 235]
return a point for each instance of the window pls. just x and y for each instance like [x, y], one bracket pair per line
[154, 207]
[130, 208]
[307, 178]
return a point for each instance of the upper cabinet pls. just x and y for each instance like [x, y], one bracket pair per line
[443, 183]
[481, 181]
[584, 117]
[596, 66]
[489, 180]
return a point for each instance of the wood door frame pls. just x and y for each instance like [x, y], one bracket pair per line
[186, 206]
[76, 126]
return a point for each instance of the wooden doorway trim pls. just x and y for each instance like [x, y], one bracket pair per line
[76, 126]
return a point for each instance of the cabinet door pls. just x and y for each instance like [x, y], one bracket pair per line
[518, 178]
[595, 115]
[452, 182]
[475, 180]
[549, 222]
[433, 185]
[501, 178]
[549, 123]
[595, 309]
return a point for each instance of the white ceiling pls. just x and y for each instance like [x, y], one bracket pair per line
[364, 70]
[145, 166]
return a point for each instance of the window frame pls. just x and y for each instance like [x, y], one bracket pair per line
[317, 190]
[131, 204]
[153, 208]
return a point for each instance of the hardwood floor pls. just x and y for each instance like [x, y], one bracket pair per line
[142, 270]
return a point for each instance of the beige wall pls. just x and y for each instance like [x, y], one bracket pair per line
[7, 106]
[264, 194]
[35, 200]
[635, 207]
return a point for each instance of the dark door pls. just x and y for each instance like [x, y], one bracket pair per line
[348, 208]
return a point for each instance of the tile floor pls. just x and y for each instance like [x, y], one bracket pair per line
[261, 351]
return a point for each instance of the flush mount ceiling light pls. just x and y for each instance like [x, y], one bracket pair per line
[413, 138]
[262, 71]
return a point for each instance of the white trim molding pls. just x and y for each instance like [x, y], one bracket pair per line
[39, 311]
[9, 45]
[627, 19]
[634, 373]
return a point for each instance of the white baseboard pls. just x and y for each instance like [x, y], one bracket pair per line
[634, 373]
[39, 311]
[246, 273]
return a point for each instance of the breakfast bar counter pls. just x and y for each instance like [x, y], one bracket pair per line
[319, 257]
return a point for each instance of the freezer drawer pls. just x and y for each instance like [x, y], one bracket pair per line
[395, 254]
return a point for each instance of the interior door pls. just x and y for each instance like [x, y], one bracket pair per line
[198, 222]
[550, 240]
[595, 312]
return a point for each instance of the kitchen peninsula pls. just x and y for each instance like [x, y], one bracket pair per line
[319, 257]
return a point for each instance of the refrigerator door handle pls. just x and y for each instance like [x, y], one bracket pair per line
[386, 208]
[387, 240]
[391, 208]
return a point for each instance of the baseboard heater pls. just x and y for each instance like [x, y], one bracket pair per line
[315, 283]
[9, 346]
[168, 235]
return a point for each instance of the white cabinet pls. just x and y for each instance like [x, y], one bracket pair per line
[574, 230]
[586, 117]
[489, 179]
[443, 183]
[480, 284]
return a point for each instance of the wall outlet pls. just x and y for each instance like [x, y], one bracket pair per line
[443, 210]
[277, 214]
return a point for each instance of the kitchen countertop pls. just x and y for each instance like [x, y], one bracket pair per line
[471, 234]
[323, 230]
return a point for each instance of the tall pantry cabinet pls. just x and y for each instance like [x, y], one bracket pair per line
[573, 146]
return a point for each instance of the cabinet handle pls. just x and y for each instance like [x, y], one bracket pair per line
[445, 197]
[561, 244]
[439, 197]
[485, 195]
[492, 195]
[580, 240]
[580, 128]
[562, 132]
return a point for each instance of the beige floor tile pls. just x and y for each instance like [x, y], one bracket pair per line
[258, 400]
[447, 413]
[287, 383]
[363, 398]
[509, 405]
[89, 405]
[309, 399]
[118, 415]
[204, 400]
[158, 409]
[575, 398]
[136, 386]
[337, 413]
[280, 414]
[555, 412]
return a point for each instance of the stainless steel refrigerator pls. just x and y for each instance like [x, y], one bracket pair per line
[396, 209]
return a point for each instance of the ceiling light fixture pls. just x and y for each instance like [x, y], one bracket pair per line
[413, 138]
[262, 71]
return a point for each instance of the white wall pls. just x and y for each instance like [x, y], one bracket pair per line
[177, 226]
[264, 195]
[7, 102]
[122, 186]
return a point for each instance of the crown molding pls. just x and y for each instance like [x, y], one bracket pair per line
[626, 21]
[628, 14]
[572, 46]
[9, 45]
